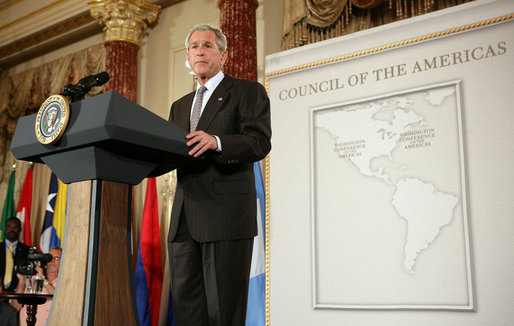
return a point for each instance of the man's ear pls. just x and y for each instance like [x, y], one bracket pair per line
[224, 57]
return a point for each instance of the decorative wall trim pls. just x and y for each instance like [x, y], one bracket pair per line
[46, 35]
[32, 14]
[394, 45]
[9, 4]
[33, 32]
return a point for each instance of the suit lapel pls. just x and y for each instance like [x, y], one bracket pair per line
[221, 95]
[2, 260]
[183, 112]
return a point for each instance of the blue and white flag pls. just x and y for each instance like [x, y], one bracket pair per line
[256, 311]
[46, 232]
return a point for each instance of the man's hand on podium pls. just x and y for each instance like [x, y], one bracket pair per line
[203, 141]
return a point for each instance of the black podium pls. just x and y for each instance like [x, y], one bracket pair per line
[110, 143]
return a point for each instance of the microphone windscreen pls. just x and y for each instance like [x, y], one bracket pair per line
[102, 78]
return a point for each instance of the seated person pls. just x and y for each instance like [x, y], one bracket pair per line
[52, 273]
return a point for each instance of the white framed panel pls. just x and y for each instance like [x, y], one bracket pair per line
[327, 266]
[392, 144]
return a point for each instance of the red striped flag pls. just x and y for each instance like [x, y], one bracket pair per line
[148, 275]
[24, 208]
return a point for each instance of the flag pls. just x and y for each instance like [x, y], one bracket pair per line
[256, 311]
[166, 315]
[9, 210]
[46, 232]
[170, 321]
[59, 219]
[148, 275]
[24, 208]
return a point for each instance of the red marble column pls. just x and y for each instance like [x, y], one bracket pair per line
[238, 24]
[125, 22]
[121, 64]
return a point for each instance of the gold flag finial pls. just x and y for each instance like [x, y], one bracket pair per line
[124, 20]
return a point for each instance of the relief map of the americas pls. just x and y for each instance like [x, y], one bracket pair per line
[377, 137]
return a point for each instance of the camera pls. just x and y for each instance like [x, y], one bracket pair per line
[26, 264]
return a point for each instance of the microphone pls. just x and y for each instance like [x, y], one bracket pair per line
[69, 90]
[84, 85]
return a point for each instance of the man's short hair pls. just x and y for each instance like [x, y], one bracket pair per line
[221, 39]
[15, 219]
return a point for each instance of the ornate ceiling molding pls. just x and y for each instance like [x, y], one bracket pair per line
[24, 18]
[31, 28]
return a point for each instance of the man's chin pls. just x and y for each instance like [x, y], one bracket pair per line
[11, 238]
[202, 75]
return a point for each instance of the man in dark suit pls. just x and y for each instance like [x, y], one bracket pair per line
[8, 315]
[214, 217]
[20, 250]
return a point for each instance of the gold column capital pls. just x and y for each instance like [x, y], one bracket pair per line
[124, 20]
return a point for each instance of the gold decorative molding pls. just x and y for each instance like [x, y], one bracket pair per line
[9, 4]
[393, 45]
[267, 232]
[267, 241]
[124, 20]
[36, 13]
[43, 36]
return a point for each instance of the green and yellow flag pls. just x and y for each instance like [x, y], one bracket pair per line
[9, 209]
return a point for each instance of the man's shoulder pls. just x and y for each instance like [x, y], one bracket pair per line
[186, 98]
[241, 83]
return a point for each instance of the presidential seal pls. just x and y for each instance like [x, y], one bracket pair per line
[52, 119]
